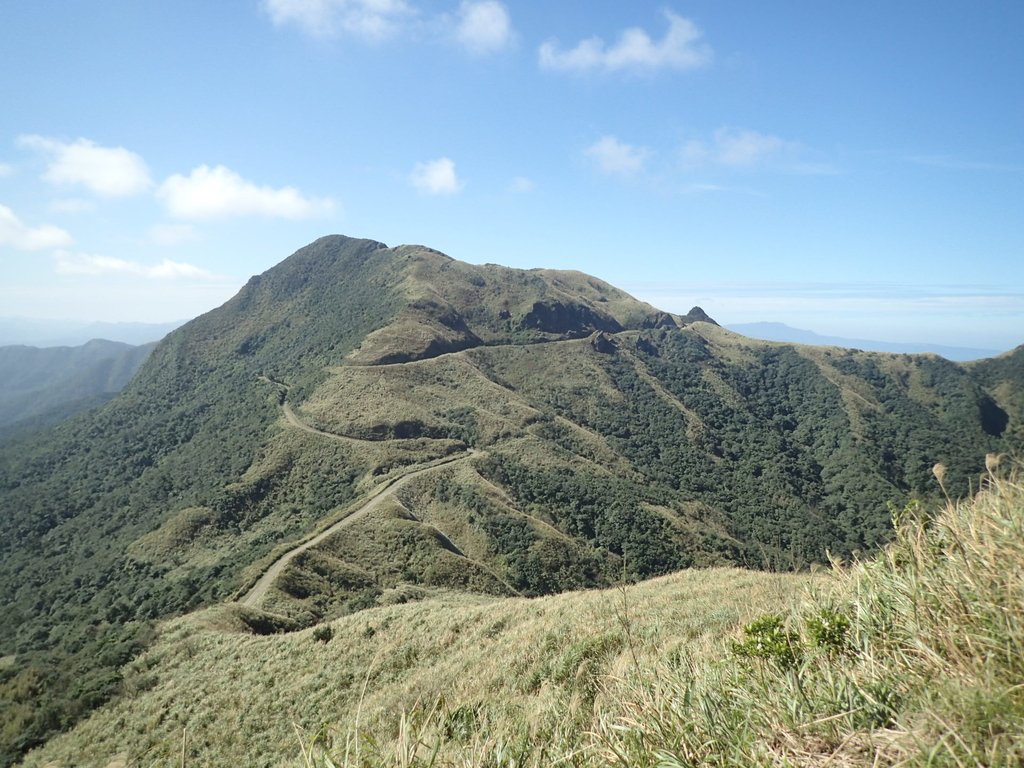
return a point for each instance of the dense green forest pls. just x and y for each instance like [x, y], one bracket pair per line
[612, 441]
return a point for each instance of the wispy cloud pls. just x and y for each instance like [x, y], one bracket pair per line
[85, 264]
[436, 177]
[368, 19]
[735, 148]
[680, 49]
[745, 149]
[6, 170]
[484, 26]
[941, 293]
[521, 185]
[106, 171]
[16, 234]
[479, 26]
[219, 192]
[983, 316]
[952, 163]
[616, 157]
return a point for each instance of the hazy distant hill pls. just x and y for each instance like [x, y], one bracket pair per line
[782, 332]
[522, 431]
[39, 387]
[34, 332]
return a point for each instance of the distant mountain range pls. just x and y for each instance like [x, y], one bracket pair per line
[782, 332]
[42, 386]
[34, 332]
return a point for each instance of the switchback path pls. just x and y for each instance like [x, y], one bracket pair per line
[292, 418]
[258, 591]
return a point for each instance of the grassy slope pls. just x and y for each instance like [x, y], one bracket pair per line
[911, 658]
[181, 436]
[530, 669]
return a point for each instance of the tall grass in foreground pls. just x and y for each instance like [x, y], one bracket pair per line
[915, 657]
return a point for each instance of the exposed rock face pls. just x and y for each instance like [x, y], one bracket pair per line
[660, 320]
[697, 315]
[603, 343]
[570, 319]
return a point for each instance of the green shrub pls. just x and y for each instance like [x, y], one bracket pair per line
[768, 639]
[829, 630]
[323, 633]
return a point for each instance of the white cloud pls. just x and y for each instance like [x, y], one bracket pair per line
[107, 171]
[746, 148]
[21, 237]
[219, 192]
[484, 26]
[522, 184]
[635, 50]
[173, 234]
[370, 19]
[6, 170]
[436, 177]
[84, 264]
[614, 156]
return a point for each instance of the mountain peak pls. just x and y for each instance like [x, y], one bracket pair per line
[698, 315]
[414, 302]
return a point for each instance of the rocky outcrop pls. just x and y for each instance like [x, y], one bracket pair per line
[697, 315]
[603, 343]
[567, 319]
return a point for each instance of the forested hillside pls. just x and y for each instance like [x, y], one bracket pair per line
[609, 440]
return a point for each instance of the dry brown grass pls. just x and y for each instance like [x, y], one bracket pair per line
[486, 674]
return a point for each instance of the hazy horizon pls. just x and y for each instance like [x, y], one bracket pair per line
[50, 331]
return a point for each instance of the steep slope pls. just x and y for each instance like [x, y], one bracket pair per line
[608, 440]
[41, 386]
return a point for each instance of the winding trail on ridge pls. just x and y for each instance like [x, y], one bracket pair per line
[258, 591]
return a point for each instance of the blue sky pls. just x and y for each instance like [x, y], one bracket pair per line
[852, 168]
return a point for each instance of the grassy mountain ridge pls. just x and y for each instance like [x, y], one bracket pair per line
[611, 439]
[464, 647]
[1001, 376]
